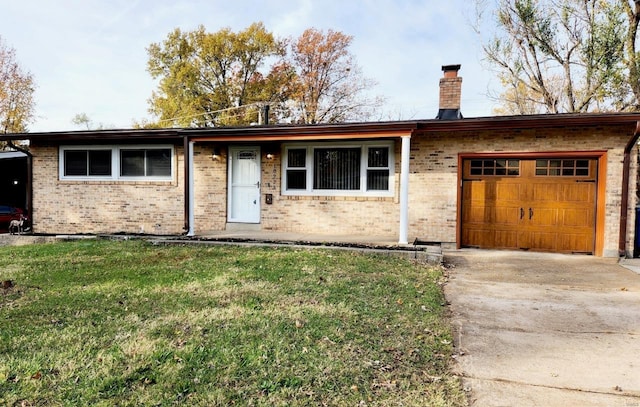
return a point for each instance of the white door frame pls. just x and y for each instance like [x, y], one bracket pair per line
[251, 206]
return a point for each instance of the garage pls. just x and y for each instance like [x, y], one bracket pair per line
[541, 203]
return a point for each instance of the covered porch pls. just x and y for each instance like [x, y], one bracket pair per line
[254, 164]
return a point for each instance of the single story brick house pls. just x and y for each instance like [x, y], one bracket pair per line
[557, 183]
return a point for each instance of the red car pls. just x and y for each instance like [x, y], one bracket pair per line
[7, 214]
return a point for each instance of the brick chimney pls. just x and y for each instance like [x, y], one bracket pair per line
[450, 91]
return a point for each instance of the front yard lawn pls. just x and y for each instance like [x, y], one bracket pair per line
[100, 322]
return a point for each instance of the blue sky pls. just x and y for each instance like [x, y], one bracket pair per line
[89, 56]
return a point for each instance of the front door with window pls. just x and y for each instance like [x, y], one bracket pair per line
[244, 185]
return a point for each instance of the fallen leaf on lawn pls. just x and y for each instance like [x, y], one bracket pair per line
[387, 384]
[37, 375]
[399, 301]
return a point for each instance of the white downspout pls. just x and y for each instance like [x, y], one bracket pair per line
[404, 190]
[191, 197]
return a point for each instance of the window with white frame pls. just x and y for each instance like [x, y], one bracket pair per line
[149, 163]
[338, 169]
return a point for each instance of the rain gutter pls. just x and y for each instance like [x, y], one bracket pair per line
[187, 183]
[624, 206]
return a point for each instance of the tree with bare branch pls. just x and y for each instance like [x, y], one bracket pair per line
[330, 85]
[557, 56]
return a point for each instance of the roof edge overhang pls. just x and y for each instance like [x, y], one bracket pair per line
[530, 122]
[390, 129]
[95, 135]
[304, 132]
[249, 133]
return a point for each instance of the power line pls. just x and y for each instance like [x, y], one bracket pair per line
[218, 111]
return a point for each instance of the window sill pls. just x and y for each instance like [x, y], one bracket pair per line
[115, 182]
[361, 198]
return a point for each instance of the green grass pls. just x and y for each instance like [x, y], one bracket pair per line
[127, 323]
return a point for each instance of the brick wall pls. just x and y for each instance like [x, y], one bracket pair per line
[70, 207]
[450, 92]
[433, 191]
[210, 189]
[158, 207]
[433, 187]
[325, 214]
[303, 214]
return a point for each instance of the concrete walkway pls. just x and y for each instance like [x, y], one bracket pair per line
[536, 329]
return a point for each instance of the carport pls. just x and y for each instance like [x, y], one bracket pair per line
[14, 179]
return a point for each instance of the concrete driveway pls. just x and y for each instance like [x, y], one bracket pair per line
[535, 329]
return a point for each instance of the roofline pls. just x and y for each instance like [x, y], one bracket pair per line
[529, 122]
[391, 128]
[113, 134]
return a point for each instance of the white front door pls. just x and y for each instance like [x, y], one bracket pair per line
[244, 185]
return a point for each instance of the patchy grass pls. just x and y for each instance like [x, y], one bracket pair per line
[128, 323]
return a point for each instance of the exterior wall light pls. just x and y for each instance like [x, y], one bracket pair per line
[216, 154]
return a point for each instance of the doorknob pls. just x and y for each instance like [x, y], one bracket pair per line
[258, 184]
[521, 213]
[530, 213]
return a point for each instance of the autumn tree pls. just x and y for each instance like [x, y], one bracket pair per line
[16, 93]
[330, 86]
[212, 79]
[224, 78]
[559, 55]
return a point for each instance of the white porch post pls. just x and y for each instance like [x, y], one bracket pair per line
[191, 197]
[404, 190]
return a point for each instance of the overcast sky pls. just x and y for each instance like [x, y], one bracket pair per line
[89, 56]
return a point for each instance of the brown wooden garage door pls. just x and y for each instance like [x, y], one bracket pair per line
[538, 204]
